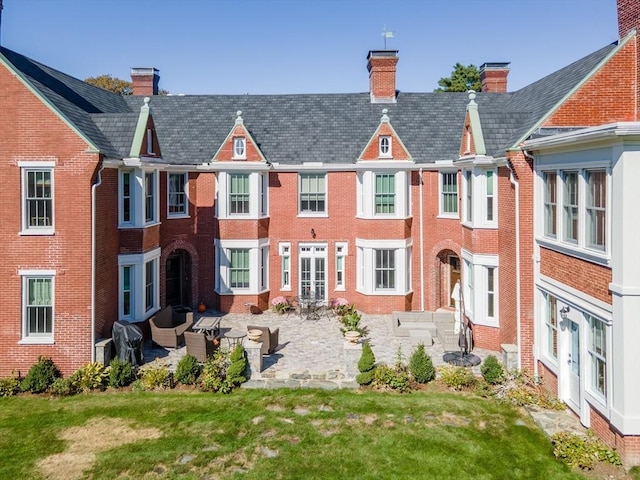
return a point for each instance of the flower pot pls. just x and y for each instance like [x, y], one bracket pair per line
[254, 335]
[202, 307]
[352, 336]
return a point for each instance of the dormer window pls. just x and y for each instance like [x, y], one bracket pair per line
[385, 146]
[149, 141]
[239, 148]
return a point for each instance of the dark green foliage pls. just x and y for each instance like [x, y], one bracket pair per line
[9, 386]
[421, 365]
[237, 366]
[365, 378]
[188, 370]
[582, 451]
[492, 371]
[41, 376]
[121, 373]
[462, 79]
[367, 359]
[63, 387]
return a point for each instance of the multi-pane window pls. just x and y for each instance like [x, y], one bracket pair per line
[570, 206]
[468, 294]
[468, 175]
[312, 193]
[384, 146]
[285, 254]
[385, 269]
[490, 179]
[38, 198]
[264, 194]
[239, 268]
[598, 355]
[149, 284]
[340, 267]
[126, 196]
[550, 203]
[239, 147]
[149, 197]
[596, 205]
[385, 197]
[127, 280]
[38, 306]
[177, 194]
[449, 192]
[238, 193]
[491, 291]
[551, 323]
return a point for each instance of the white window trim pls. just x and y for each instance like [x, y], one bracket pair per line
[258, 181]
[137, 202]
[365, 261]
[590, 387]
[344, 246]
[284, 250]
[137, 284]
[242, 156]
[366, 195]
[441, 212]
[222, 266]
[41, 165]
[478, 177]
[40, 339]
[185, 177]
[322, 214]
[476, 307]
[389, 153]
[557, 243]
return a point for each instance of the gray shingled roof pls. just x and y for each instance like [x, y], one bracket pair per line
[292, 129]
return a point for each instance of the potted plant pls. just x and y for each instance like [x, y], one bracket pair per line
[350, 320]
[280, 304]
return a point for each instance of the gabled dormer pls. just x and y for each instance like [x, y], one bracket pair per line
[472, 138]
[385, 144]
[145, 141]
[239, 146]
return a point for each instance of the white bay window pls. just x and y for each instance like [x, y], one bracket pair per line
[138, 285]
[383, 194]
[480, 288]
[138, 199]
[242, 266]
[242, 195]
[480, 198]
[383, 266]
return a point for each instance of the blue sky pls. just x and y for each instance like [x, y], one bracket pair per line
[303, 46]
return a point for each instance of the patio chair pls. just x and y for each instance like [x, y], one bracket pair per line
[166, 331]
[269, 339]
[199, 345]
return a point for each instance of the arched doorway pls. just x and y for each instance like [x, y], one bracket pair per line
[178, 278]
[449, 274]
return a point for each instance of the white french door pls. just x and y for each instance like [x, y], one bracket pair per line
[574, 367]
[313, 270]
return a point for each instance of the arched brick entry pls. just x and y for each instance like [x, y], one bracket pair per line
[444, 268]
[167, 251]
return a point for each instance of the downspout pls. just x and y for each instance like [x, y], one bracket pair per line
[421, 248]
[93, 263]
[516, 185]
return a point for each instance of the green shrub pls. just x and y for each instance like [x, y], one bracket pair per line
[9, 386]
[40, 376]
[582, 451]
[520, 389]
[155, 375]
[93, 376]
[366, 378]
[394, 378]
[350, 319]
[367, 359]
[421, 365]
[188, 370]
[214, 373]
[237, 366]
[63, 387]
[492, 370]
[121, 373]
[457, 377]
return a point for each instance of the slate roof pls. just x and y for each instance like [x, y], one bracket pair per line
[292, 129]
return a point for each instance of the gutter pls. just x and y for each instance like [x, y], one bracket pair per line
[516, 185]
[421, 247]
[93, 262]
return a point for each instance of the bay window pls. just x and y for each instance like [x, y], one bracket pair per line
[597, 349]
[480, 288]
[138, 285]
[383, 266]
[241, 266]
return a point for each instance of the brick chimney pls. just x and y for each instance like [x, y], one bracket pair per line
[382, 75]
[628, 16]
[145, 81]
[494, 77]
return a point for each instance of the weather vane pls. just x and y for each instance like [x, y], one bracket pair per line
[386, 34]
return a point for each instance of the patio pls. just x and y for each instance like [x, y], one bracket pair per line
[311, 350]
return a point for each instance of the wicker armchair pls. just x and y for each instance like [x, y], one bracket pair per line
[165, 331]
[269, 339]
[199, 345]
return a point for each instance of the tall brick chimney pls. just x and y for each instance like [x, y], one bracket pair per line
[382, 75]
[628, 16]
[494, 77]
[145, 81]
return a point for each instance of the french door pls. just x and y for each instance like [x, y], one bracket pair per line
[313, 270]
[574, 364]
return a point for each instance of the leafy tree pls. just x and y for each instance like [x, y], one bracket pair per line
[115, 84]
[462, 79]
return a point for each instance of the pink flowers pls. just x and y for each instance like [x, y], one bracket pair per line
[279, 300]
[280, 304]
[339, 302]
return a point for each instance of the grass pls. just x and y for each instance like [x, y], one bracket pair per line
[256, 434]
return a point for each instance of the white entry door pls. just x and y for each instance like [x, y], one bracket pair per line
[313, 271]
[574, 367]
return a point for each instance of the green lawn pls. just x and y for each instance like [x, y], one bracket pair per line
[271, 434]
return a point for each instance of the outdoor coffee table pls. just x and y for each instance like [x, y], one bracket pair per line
[210, 325]
[235, 337]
